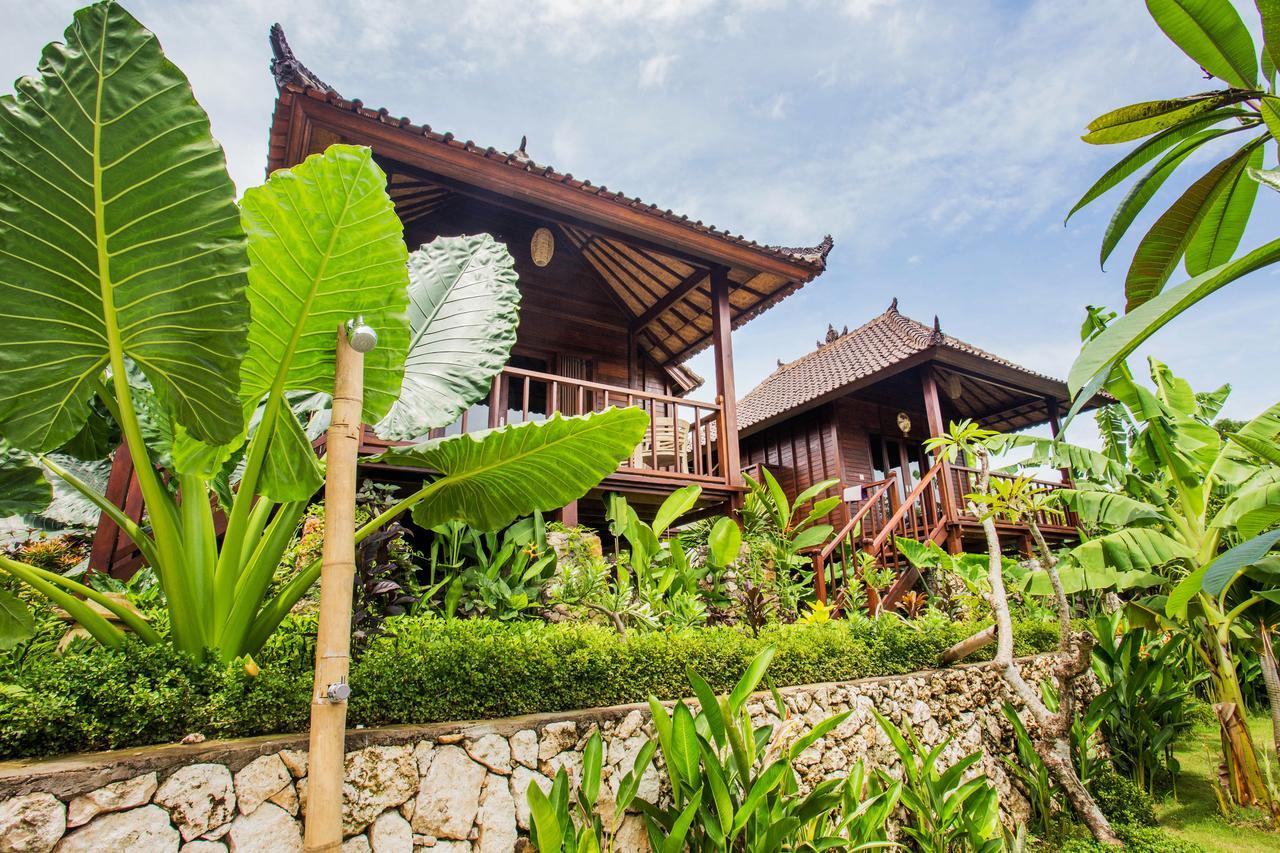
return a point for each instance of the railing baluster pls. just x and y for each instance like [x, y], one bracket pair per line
[524, 418]
[553, 404]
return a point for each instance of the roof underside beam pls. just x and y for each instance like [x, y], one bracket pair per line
[689, 283]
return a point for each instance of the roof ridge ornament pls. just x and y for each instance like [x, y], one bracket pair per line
[520, 155]
[287, 69]
[936, 337]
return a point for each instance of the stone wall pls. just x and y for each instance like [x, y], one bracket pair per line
[452, 786]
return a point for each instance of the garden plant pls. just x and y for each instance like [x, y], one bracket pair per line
[143, 299]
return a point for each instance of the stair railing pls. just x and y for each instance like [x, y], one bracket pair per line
[845, 539]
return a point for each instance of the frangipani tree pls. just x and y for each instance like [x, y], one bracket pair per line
[1075, 648]
[1204, 225]
[136, 290]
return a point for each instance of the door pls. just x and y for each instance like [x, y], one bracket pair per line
[906, 458]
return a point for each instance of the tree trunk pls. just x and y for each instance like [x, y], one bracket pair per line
[969, 645]
[1075, 652]
[1246, 784]
[1271, 678]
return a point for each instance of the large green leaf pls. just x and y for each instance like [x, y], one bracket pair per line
[1109, 509]
[1050, 453]
[463, 303]
[119, 237]
[1269, 12]
[1255, 507]
[1219, 233]
[1126, 334]
[1131, 549]
[677, 504]
[1138, 120]
[1158, 253]
[1079, 579]
[23, 487]
[325, 246]
[724, 542]
[1231, 562]
[1212, 34]
[488, 479]
[17, 622]
[1145, 188]
[1149, 150]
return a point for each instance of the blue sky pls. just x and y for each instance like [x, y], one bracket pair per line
[937, 141]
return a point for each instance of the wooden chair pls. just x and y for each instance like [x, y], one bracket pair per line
[671, 437]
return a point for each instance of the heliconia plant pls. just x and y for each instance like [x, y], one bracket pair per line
[141, 299]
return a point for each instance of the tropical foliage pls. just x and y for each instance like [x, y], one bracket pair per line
[140, 293]
[1177, 507]
[1203, 227]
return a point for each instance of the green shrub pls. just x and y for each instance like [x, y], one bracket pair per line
[1122, 800]
[426, 669]
[1137, 839]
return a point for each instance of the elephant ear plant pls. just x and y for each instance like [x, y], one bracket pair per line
[133, 284]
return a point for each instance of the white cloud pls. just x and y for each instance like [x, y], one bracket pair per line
[653, 71]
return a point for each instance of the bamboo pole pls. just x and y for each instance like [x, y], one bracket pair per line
[337, 574]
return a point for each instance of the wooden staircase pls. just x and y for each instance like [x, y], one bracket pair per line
[934, 511]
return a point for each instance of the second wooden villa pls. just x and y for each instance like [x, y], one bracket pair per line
[858, 410]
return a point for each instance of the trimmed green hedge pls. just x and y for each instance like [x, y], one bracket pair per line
[428, 670]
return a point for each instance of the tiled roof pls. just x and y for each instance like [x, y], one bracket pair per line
[843, 359]
[292, 77]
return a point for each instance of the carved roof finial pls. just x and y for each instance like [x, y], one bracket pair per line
[286, 68]
[893, 306]
[935, 335]
[520, 155]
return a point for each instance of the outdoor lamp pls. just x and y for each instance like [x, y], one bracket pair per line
[542, 246]
[361, 336]
[904, 423]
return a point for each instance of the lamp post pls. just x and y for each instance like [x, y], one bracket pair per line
[337, 575]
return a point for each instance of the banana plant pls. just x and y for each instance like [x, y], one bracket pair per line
[123, 254]
[1204, 225]
[1189, 505]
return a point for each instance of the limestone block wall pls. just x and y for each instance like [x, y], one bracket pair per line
[453, 787]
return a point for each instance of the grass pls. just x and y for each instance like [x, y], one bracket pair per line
[1194, 815]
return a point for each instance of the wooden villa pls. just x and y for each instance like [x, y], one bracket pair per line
[617, 293]
[858, 410]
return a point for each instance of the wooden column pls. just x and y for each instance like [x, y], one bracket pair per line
[721, 338]
[1051, 404]
[333, 638]
[933, 412]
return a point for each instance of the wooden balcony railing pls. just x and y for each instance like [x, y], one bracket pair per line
[682, 441]
[964, 481]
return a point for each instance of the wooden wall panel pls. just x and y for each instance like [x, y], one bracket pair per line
[799, 452]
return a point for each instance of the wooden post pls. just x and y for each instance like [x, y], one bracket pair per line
[337, 575]
[721, 339]
[1051, 404]
[933, 413]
